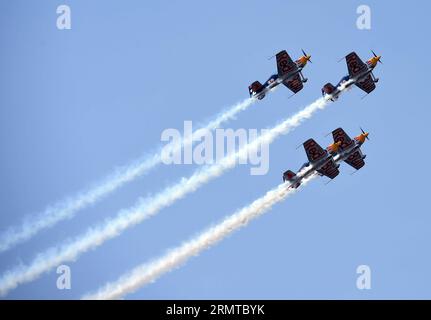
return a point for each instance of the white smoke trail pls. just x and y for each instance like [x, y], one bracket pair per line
[68, 207]
[149, 272]
[145, 208]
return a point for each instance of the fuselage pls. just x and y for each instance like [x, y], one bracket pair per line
[308, 169]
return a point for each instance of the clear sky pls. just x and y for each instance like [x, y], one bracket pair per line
[77, 103]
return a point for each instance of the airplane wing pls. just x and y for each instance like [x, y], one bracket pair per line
[340, 135]
[329, 169]
[355, 160]
[314, 151]
[294, 83]
[354, 64]
[367, 84]
[284, 63]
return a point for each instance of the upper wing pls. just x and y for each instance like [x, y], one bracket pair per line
[294, 83]
[329, 169]
[314, 151]
[355, 160]
[340, 135]
[367, 84]
[284, 63]
[354, 64]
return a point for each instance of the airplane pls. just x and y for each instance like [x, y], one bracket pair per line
[348, 150]
[289, 73]
[360, 74]
[319, 160]
[326, 162]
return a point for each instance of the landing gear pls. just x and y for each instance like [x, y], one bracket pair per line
[302, 78]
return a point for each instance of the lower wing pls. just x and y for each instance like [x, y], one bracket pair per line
[355, 160]
[329, 169]
[294, 83]
[367, 84]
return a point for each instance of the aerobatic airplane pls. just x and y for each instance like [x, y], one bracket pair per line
[348, 150]
[326, 162]
[289, 73]
[360, 74]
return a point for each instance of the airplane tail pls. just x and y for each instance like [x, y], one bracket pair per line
[290, 176]
[328, 88]
[254, 88]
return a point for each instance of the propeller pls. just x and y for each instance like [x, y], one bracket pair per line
[303, 52]
[363, 132]
[375, 55]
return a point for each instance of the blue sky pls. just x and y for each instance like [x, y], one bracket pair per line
[75, 104]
